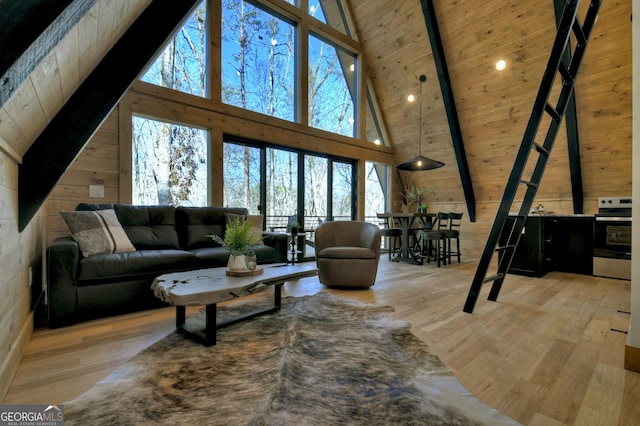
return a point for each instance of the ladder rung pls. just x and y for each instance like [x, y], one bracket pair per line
[529, 184]
[579, 33]
[541, 149]
[552, 112]
[493, 278]
[566, 74]
[505, 248]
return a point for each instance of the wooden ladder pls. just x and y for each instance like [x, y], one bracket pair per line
[568, 23]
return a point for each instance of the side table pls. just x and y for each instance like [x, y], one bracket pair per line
[296, 243]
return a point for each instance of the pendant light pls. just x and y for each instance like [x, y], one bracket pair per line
[420, 162]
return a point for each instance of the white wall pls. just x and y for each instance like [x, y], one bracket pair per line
[634, 331]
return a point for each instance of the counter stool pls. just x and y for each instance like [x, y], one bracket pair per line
[392, 234]
[453, 233]
[434, 240]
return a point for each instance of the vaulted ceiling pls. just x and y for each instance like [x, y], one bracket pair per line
[493, 107]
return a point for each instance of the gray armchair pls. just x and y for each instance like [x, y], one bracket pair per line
[347, 254]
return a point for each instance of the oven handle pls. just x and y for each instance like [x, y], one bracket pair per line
[612, 219]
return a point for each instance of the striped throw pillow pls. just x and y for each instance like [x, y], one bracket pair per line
[97, 232]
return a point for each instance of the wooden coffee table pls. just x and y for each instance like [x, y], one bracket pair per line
[211, 286]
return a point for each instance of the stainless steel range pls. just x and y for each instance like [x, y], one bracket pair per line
[612, 238]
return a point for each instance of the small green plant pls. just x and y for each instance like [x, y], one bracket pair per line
[238, 237]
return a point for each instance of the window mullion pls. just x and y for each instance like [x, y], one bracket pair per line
[215, 51]
[302, 65]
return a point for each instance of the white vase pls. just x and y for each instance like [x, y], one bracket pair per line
[237, 263]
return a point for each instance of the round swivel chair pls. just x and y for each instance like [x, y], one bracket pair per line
[347, 253]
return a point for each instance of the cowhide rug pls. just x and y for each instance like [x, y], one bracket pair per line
[321, 360]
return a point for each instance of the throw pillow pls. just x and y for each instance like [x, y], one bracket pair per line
[255, 220]
[97, 232]
[256, 225]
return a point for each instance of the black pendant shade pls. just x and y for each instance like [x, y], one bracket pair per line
[420, 162]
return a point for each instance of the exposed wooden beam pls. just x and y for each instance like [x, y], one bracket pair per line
[29, 30]
[449, 104]
[571, 123]
[62, 140]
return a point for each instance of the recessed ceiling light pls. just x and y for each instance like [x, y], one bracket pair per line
[411, 98]
[501, 65]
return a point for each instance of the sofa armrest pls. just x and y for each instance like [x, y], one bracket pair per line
[279, 241]
[63, 256]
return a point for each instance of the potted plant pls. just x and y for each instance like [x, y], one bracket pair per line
[238, 238]
[293, 228]
[413, 197]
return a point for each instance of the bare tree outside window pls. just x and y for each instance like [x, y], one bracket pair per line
[258, 60]
[169, 164]
[182, 65]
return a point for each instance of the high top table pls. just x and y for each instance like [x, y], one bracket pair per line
[211, 286]
[406, 220]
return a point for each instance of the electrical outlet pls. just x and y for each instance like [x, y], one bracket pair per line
[96, 191]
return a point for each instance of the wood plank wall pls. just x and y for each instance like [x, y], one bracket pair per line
[493, 106]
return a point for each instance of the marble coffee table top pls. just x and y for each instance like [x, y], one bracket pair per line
[210, 286]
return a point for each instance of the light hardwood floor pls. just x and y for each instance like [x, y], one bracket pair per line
[545, 354]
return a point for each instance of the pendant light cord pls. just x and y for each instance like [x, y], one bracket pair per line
[423, 78]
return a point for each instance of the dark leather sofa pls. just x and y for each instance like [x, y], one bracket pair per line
[167, 239]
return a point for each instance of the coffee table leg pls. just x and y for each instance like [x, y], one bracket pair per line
[277, 296]
[180, 316]
[210, 325]
[208, 335]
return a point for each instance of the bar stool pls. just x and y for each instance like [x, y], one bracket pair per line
[434, 240]
[391, 233]
[453, 233]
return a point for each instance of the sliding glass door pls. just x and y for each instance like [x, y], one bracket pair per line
[241, 175]
[288, 186]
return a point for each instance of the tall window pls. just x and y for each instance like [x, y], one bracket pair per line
[342, 191]
[169, 164]
[332, 86]
[183, 63]
[329, 12]
[376, 190]
[258, 60]
[241, 176]
[316, 193]
[281, 187]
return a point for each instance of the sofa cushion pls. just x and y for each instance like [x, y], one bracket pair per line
[97, 232]
[347, 253]
[106, 267]
[149, 227]
[195, 223]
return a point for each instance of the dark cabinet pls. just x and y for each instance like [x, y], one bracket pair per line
[529, 256]
[570, 244]
[553, 243]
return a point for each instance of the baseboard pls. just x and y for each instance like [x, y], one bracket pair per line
[632, 358]
[11, 363]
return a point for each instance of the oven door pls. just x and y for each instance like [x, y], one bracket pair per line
[612, 247]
